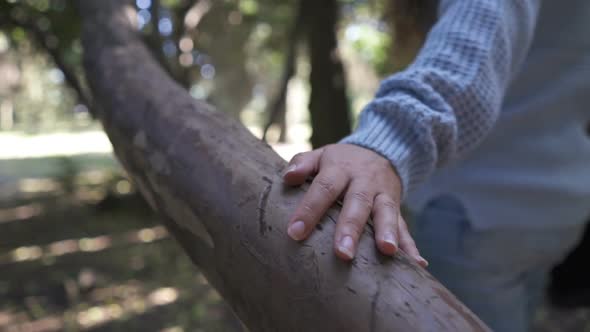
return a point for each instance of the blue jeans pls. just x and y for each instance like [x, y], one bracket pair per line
[500, 274]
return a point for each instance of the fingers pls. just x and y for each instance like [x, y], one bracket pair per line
[324, 190]
[356, 210]
[407, 244]
[386, 217]
[301, 167]
[351, 169]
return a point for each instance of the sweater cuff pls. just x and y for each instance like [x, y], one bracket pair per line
[395, 140]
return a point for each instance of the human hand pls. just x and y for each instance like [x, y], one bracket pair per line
[370, 187]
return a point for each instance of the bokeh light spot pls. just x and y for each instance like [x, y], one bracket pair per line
[208, 71]
[143, 17]
[165, 26]
[186, 44]
[169, 48]
[143, 4]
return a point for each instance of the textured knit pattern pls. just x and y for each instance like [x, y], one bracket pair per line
[446, 102]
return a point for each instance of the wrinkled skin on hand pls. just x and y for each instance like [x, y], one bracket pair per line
[369, 186]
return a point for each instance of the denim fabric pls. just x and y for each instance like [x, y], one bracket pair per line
[499, 274]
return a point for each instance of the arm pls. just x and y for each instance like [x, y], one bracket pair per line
[449, 98]
[434, 111]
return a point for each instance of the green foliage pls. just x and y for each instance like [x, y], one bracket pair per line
[371, 44]
[38, 32]
[248, 7]
[171, 3]
[236, 45]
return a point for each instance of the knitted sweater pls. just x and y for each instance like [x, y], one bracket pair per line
[493, 110]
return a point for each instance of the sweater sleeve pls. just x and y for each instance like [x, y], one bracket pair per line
[446, 102]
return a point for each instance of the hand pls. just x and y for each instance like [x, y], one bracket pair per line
[370, 187]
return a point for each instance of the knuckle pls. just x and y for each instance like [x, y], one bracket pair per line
[307, 209]
[327, 186]
[386, 201]
[363, 197]
[352, 226]
[298, 157]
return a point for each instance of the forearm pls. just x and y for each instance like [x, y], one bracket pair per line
[446, 102]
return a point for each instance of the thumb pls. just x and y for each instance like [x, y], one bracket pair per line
[302, 166]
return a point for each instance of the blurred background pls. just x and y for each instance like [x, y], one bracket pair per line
[79, 249]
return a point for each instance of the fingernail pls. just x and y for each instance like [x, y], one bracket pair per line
[346, 247]
[291, 168]
[423, 262]
[297, 230]
[389, 239]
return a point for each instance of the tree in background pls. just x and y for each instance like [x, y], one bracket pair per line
[316, 23]
[35, 31]
[207, 46]
[249, 47]
[328, 105]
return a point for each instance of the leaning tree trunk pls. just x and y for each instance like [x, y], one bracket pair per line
[220, 193]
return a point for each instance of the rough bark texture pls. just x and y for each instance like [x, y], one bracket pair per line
[328, 102]
[220, 192]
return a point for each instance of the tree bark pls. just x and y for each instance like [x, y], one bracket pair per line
[328, 102]
[220, 194]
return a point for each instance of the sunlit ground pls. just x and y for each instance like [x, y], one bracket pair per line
[70, 264]
[18, 146]
[42, 158]
[71, 260]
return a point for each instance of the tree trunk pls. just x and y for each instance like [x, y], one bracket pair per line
[277, 110]
[220, 194]
[6, 114]
[328, 103]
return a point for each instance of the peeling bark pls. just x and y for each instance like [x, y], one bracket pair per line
[220, 193]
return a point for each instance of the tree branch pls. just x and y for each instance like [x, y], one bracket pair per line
[41, 39]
